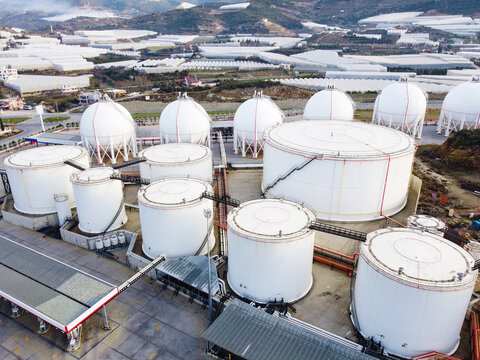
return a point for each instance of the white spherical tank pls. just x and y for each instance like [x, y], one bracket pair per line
[177, 160]
[426, 222]
[184, 120]
[329, 104]
[37, 174]
[172, 217]
[99, 199]
[251, 120]
[402, 106]
[461, 108]
[344, 171]
[412, 291]
[270, 250]
[108, 130]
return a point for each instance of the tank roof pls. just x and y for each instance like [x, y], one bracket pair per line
[173, 192]
[265, 218]
[339, 139]
[422, 259]
[426, 221]
[174, 153]
[44, 156]
[93, 175]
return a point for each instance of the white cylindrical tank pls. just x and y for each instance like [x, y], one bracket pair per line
[172, 217]
[108, 131]
[37, 174]
[270, 250]
[412, 290]
[252, 118]
[329, 104]
[63, 208]
[426, 223]
[184, 120]
[344, 171]
[177, 160]
[402, 106]
[99, 199]
[461, 108]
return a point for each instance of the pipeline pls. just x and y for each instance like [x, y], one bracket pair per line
[335, 259]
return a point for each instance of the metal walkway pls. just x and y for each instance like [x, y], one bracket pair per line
[338, 230]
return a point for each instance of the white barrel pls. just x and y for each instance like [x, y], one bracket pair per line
[99, 243]
[114, 240]
[99, 199]
[172, 217]
[37, 174]
[177, 160]
[412, 291]
[63, 208]
[426, 222]
[107, 243]
[270, 250]
[121, 238]
[344, 171]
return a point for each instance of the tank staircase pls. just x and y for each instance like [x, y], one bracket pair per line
[283, 177]
[338, 230]
[224, 199]
[130, 179]
[129, 162]
[74, 164]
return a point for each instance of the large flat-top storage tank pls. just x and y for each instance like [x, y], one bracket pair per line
[177, 160]
[37, 174]
[270, 250]
[344, 171]
[412, 290]
[99, 199]
[172, 217]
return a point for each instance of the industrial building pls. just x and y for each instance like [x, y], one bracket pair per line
[241, 236]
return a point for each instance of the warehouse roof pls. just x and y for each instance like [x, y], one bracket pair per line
[55, 139]
[252, 333]
[53, 291]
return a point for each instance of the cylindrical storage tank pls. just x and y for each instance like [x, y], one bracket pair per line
[402, 106]
[329, 104]
[412, 291]
[344, 171]
[177, 160]
[270, 250]
[461, 108]
[172, 217]
[37, 174]
[99, 199]
[426, 223]
[108, 131]
[184, 120]
[63, 208]
[252, 118]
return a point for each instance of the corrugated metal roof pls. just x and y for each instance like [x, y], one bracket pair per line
[58, 291]
[252, 333]
[192, 270]
[56, 138]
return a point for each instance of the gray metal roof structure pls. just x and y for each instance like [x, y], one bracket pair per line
[253, 334]
[55, 139]
[53, 291]
[191, 270]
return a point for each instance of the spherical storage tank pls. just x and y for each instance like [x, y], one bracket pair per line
[329, 104]
[412, 291]
[108, 131]
[401, 106]
[177, 160]
[251, 120]
[184, 120]
[344, 171]
[270, 249]
[461, 108]
[172, 217]
[99, 199]
[37, 174]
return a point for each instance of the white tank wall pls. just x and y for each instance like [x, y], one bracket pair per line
[398, 314]
[97, 204]
[177, 230]
[340, 190]
[33, 188]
